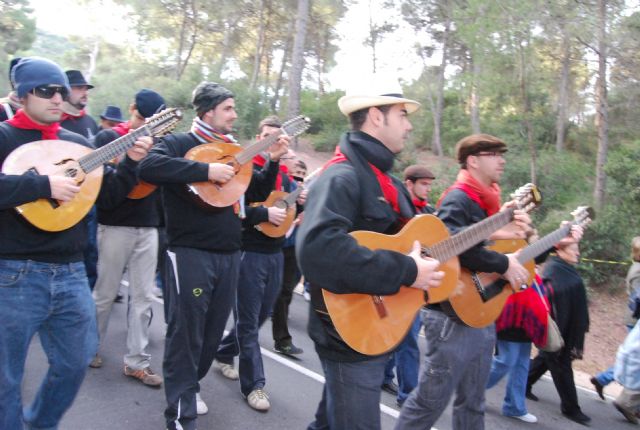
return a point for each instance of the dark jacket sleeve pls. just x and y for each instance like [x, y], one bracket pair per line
[19, 189]
[255, 215]
[263, 180]
[457, 213]
[117, 182]
[166, 164]
[331, 258]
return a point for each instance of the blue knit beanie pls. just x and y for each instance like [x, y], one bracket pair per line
[148, 102]
[31, 72]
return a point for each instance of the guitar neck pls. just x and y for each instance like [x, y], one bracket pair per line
[537, 248]
[108, 152]
[458, 243]
[255, 148]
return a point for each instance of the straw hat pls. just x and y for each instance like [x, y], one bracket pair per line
[375, 90]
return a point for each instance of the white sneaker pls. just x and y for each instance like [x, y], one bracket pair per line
[299, 288]
[227, 370]
[201, 406]
[527, 418]
[306, 296]
[258, 400]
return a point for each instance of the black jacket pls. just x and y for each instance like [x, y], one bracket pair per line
[252, 239]
[347, 197]
[84, 126]
[132, 212]
[568, 297]
[18, 238]
[187, 222]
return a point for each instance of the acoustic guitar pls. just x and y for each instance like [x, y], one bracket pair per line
[478, 298]
[373, 324]
[224, 194]
[85, 165]
[284, 200]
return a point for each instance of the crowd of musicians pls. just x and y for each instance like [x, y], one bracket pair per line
[199, 209]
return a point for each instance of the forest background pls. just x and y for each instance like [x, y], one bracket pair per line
[558, 80]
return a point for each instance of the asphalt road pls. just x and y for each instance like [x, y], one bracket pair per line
[109, 400]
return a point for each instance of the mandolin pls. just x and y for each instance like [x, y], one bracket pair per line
[85, 165]
[225, 194]
[478, 298]
[284, 200]
[373, 324]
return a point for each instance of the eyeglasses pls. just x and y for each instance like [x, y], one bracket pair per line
[49, 92]
[490, 154]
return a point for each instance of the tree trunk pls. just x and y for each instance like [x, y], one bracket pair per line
[602, 108]
[436, 144]
[561, 121]
[257, 59]
[93, 58]
[297, 59]
[474, 97]
[526, 115]
[226, 47]
[285, 56]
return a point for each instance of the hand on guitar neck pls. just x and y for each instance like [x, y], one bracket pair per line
[428, 277]
[519, 228]
[280, 148]
[140, 148]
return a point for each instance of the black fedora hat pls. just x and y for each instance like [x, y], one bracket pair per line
[112, 113]
[76, 79]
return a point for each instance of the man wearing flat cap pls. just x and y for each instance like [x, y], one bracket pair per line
[357, 192]
[460, 361]
[78, 121]
[128, 239]
[204, 251]
[44, 283]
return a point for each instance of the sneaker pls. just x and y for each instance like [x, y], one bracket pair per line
[299, 288]
[258, 400]
[201, 406]
[146, 376]
[527, 418]
[227, 370]
[290, 349]
[598, 386]
[628, 414]
[306, 296]
[96, 363]
[390, 387]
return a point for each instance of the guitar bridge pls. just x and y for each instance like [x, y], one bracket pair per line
[378, 302]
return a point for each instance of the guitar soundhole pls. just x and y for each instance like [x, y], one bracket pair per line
[281, 204]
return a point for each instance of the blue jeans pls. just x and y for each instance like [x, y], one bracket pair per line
[54, 301]
[258, 288]
[406, 360]
[606, 377]
[351, 395]
[457, 359]
[512, 359]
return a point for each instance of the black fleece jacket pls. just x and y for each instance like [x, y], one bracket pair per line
[20, 240]
[347, 197]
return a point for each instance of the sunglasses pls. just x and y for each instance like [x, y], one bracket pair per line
[49, 92]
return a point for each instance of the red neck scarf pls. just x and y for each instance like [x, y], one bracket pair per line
[22, 120]
[419, 204]
[259, 160]
[389, 191]
[122, 128]
[488, 198]
[66, 116]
